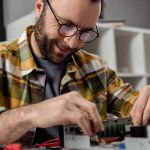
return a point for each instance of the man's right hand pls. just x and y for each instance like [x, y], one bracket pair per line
[70, 108]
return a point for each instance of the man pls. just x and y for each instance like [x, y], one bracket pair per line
[47, 69]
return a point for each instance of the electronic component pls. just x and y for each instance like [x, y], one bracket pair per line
[116, 127]
[115, 130]
[119, 134]
[138, 131]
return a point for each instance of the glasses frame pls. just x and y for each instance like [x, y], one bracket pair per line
[81, 31]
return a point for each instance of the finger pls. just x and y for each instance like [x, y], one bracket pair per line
[140, 106]
[88, 107]
[77, 116]
[95, 118]
[94, 128]
[133, 113]
[82, 120]
[85, 124]
[146, 115]
[133, 110]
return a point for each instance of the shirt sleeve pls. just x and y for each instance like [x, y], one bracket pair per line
[2, 109]
[120, 96]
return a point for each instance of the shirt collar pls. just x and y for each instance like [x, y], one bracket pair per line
[27, 63]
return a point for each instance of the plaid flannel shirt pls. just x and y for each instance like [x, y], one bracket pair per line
[22, 82]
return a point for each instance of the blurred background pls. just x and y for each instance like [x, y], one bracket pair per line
[16, 14]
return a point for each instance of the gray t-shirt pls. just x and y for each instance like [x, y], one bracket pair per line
[54, 74]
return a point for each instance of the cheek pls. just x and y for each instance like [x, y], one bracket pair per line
[80, 45]
[51, 30]
[52, 33]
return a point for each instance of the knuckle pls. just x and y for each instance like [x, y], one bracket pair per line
[146, 88]
[141, 108]
[93, 107]
[147, 111]
[63, 102]
[74, 94]
[80, 117]
[97, 122]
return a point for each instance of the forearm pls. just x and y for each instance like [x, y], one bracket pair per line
[14, 124]
[121, 96]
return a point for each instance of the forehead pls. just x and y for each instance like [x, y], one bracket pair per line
[84, 13]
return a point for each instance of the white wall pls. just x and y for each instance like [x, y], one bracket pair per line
[134, 12]
[15, 9]
[16, 28]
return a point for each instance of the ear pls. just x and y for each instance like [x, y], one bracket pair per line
[39, 7]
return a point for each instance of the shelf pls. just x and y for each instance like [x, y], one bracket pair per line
[147, 75]
[147, 51]
[136, 82]
[101, 47]
[148, 80]
[125, 50]
[128, 52]
[130, 75]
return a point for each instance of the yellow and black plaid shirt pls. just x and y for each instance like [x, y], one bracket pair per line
[22, 82]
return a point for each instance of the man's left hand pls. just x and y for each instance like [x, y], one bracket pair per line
[140, 112]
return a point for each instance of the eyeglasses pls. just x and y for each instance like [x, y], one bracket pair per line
[69, 29]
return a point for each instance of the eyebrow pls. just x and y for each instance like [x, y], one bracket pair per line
[71, 22]
[83, 29]
[64, 21]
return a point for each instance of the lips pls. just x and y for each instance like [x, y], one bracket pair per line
[60, 49]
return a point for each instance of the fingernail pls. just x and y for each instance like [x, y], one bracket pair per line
[95, 138]
[136, 124]
[145, 122]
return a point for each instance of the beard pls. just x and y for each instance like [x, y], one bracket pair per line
[46, 45]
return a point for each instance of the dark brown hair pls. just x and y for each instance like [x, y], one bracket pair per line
[93, 1]
[102, 2]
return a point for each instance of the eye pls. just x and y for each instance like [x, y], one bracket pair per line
[88, 36]
[67, 29]
[85, 35]
[69, 26]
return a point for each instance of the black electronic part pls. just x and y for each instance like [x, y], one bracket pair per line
[121, 135]
[72, 129]
[61, 136]
[138, 131]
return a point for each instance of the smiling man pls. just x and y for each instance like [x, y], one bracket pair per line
[63, 29]
[46, 79]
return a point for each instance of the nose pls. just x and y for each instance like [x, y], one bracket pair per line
[73, 41]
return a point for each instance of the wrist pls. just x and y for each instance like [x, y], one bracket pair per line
[26, 116]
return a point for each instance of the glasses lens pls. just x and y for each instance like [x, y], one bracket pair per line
[67, 30]
[88, 36]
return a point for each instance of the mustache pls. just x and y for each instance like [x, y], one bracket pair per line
[63, 46]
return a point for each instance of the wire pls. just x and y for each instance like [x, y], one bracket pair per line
[53, 143]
